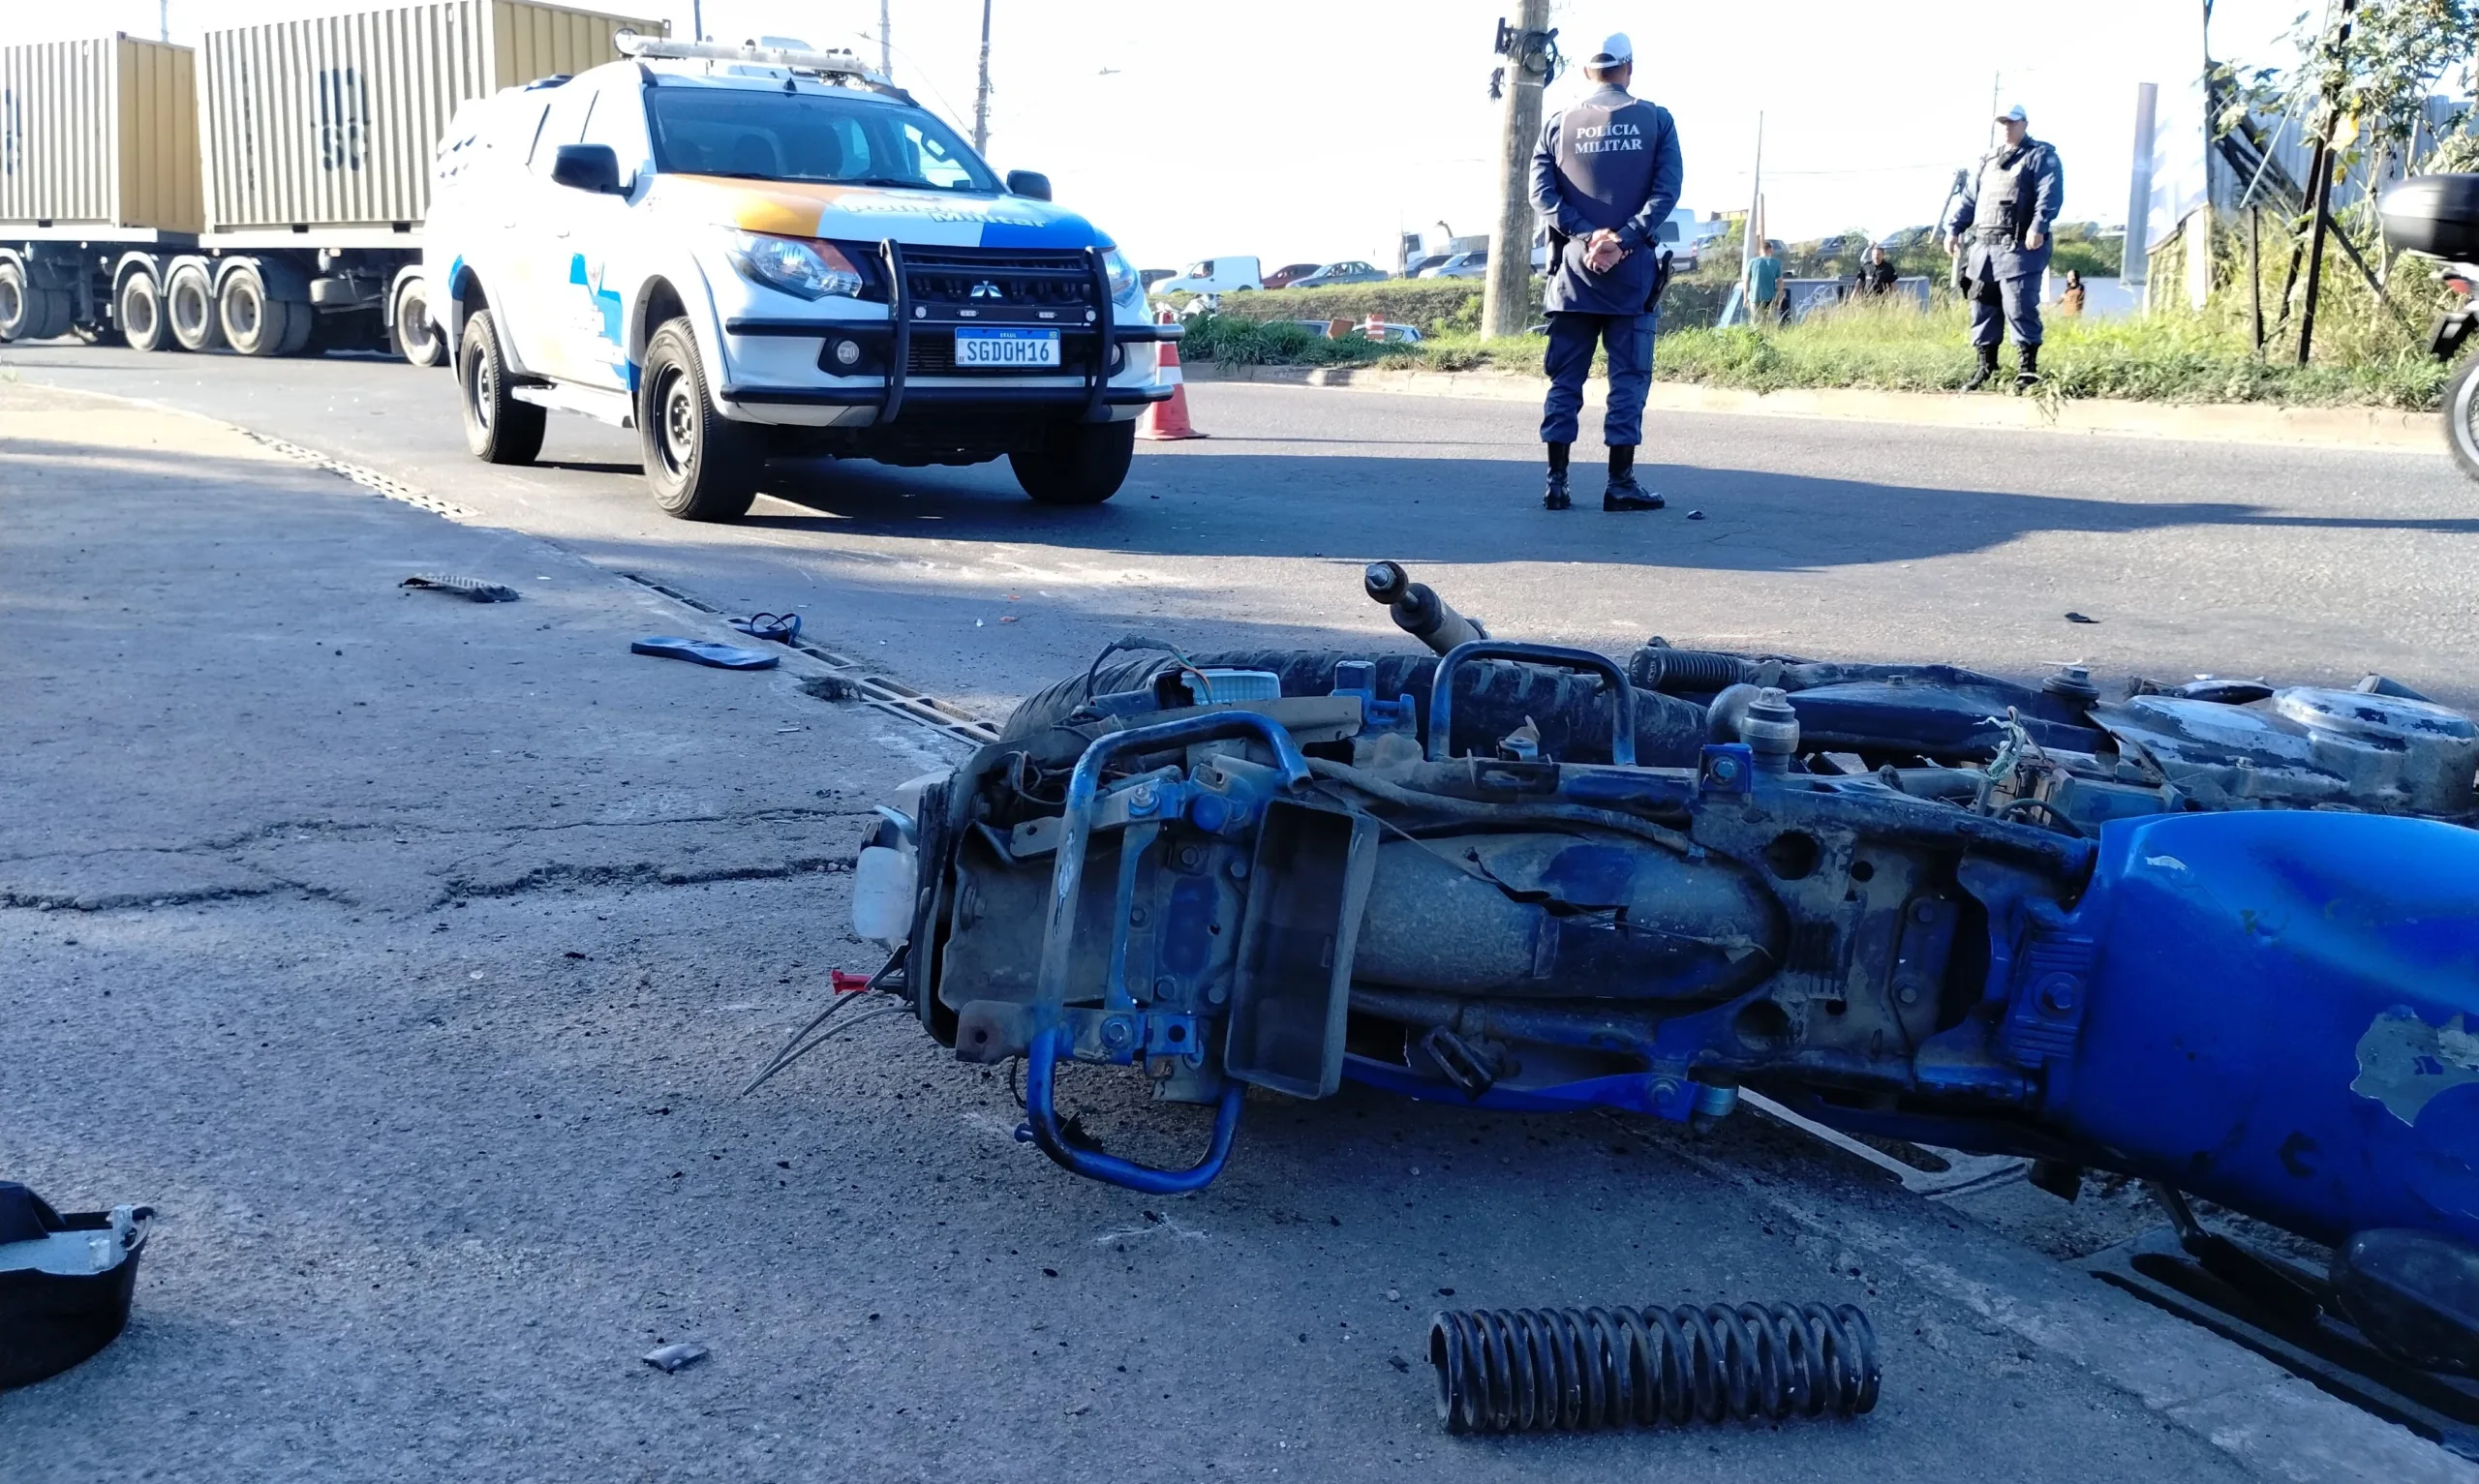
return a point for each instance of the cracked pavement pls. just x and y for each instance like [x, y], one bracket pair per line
[410, 954]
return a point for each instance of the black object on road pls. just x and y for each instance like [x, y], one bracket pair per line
[1624, 1367]
[65, 1281]
[2076, 618]
[782, 627]
[700, 652]
[472, 589]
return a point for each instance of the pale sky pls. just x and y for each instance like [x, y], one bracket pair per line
[1301, 130]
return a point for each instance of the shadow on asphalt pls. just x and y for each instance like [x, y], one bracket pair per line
[1482, 510]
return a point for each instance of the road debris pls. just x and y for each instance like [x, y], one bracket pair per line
[702, 651]
[470, 589]
[780, 627]
[670, 1358]
[65, 1281]
[2076, 618]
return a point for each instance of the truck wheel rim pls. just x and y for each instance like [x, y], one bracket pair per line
[189, 307]
[241, 308]
[413, 321]
[13, 303]
[137, 311]
[678, 402]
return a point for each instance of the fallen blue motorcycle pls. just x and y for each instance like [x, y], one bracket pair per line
[2215, 934]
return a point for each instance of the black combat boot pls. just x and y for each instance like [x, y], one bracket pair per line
[1624, 492]
[1987, 369]
[1556, 499]
[2028, 377]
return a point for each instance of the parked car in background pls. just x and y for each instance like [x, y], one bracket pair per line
[1214, 275]
[1289, 272]
[1461, 266]
[1154, 276]
[1352, 272]
[1419, 268]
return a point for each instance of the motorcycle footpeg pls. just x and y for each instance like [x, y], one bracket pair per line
[1472, 1070]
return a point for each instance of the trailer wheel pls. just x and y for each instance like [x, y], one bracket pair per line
[703, 465]
[499, 429]
[255, 322]
[28, 312]
[416, 336]
[189, 308]
[1077, 464]
[141, 313]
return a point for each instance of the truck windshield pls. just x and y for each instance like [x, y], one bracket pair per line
[776, 135]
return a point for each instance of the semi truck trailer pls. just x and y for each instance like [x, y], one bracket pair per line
[262, 192]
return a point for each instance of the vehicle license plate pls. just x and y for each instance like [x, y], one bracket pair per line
[1006, 347]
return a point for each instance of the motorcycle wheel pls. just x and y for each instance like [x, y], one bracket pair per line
[2461, 417]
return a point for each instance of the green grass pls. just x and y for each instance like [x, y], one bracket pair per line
[2167, 357]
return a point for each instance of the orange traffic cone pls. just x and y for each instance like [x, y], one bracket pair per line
[1164, 421]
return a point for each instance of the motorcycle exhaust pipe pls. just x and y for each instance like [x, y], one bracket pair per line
[1418, 609]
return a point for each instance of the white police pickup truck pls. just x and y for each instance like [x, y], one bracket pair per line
[745, 252]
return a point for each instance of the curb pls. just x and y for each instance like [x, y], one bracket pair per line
[2384, 430]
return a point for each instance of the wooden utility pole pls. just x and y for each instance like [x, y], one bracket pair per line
[981, 97]
[1506, 298]
[2319, 187]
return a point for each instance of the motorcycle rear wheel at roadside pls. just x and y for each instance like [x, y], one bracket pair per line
[499, 429]
[2461, 417]
[702, 466]
[1076, 463]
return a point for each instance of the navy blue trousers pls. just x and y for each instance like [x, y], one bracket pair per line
[2005, 304]
[1629, 339]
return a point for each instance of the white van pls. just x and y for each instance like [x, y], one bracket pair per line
[1214, 275]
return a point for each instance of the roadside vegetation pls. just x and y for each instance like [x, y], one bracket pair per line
[2366, 353]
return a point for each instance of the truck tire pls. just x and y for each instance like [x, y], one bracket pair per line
[1492, 697]
[255, 321]
[2461, 417]
[140, 309]
[189, 308]
[1077, 462]
[28, 312]
[702, 466]
[416, 336]
[499, 429]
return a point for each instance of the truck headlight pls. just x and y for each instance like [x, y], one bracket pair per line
[1125, 286]
[805, 270]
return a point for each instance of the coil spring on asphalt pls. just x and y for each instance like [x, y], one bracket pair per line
[1519, 1369]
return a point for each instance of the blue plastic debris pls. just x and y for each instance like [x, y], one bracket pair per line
[700, 652]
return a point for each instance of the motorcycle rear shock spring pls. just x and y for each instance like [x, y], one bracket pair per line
[1541, 1369]
[1683, 671]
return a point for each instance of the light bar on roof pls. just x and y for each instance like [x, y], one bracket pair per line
[790, 58]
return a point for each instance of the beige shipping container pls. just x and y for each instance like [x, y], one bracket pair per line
[328, 124]
[99, 134]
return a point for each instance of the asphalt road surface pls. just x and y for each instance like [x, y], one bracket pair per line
[410, 954]
[1826, 539]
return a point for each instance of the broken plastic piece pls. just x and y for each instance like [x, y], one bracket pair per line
[699, 652]
[65, 1281]
[2076, 618]
[472, 589]
[673, 1357]
[846, 983]
[2414, 1294]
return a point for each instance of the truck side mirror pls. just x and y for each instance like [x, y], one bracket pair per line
[1028, 183]
[587, 168]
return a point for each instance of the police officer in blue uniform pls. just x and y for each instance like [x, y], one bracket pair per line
[1998, 235]
[1604, 179]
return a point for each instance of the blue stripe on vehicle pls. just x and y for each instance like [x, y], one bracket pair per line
[1066, 231]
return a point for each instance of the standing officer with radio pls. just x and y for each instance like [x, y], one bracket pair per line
[1604, 179]
[2008, 209]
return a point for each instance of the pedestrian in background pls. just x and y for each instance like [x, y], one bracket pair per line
[1878, 274]
[1761, 285]
[2070, 302]
[1605, 178]
[2009, 209]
